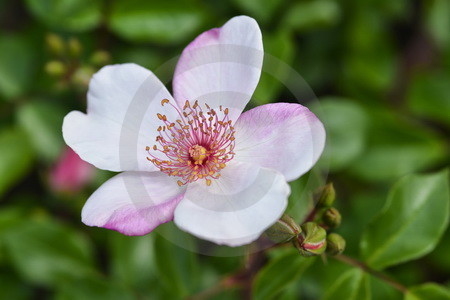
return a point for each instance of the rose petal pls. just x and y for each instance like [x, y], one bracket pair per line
[237, 208]
[121, 121]
[133, 203]
[285, 137]
[222, 66]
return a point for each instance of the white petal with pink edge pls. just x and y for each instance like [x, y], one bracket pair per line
[221, 66]
[121, 121]
[286, 137]
[237, 208]
[133, 203]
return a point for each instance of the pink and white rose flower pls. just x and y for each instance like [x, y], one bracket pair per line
[195, 157]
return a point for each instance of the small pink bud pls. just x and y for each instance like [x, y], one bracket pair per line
[70, 173]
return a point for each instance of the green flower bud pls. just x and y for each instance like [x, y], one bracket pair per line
[55, 43]
[284, 230]
[100, 58]
[82, 76]
[331, 217]
[75, 47]
[326, 196]
[55, 68]
[312, 240]
[335, 244]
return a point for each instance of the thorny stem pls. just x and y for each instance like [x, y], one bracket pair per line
[359, 264]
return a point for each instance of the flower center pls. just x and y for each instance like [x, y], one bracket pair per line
[196, 146]
[198, 154]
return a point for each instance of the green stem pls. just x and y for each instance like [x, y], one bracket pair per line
[359, 264]
[208, 293]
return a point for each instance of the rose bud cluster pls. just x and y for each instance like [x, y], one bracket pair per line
[312, 238]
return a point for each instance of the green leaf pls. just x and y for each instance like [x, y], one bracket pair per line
[46, 252]
[397, 146]
[71, 15]
[13, 288]
[382, 290]
[404, 230]
[429, 96]
[428, 291]
[155, 21]
[352, 285]
[369, 58]
[279, 273]
[95, 289]
[262, 10]
[439, 258]
[312, 14]
[176, 268]
[16, 157]
[43, 122]
[17, 64]
[132, 261]
[346, 125]
[438, 21]
[279, 54]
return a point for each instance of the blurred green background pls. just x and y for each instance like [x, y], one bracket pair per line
[381, 72]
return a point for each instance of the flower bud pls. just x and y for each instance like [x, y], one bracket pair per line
[326, 196]
[75, 47]
[284, 230]
[335, 244]
[100, 58]
[331, 217]
[55, 43]
[312, 240]
[82, 76]
[70, 174]
[55, 68]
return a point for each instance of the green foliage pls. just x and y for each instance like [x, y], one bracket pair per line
[131, 260]
[93, 289]
[17, 157]
[70, 15]
[346, 140]
[164, 22]
[46, 252]
[428, 291]
[16, 65]
[42, 122]
[403, 231]
[438, 21]
[380, 70]
[397, 146]
[352, 285]
[177, 268]
[260, 9]
[429, 96]
[12, 288]
[279, 273]
[279, 53]
[312, 15]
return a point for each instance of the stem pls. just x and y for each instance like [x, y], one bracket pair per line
[359, 264]
[210, 292]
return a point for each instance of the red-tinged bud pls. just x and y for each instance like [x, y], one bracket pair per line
[312, 240]
[284, 230]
